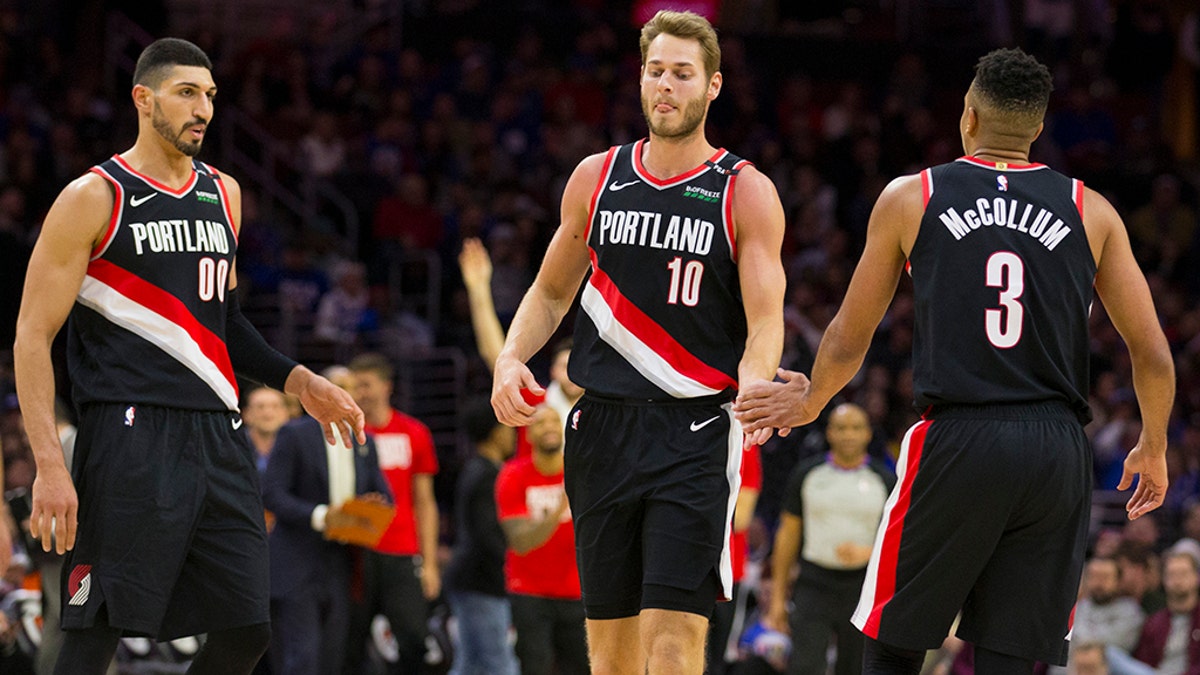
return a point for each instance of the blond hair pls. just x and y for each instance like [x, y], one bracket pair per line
[688, 26]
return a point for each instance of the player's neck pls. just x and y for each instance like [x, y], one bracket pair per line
[994, 154]
[548, 464]
[169, 167]
[669, 157]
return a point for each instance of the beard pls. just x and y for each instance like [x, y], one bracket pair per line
[163, 127]
[693, 116]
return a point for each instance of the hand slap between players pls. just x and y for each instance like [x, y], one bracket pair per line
[778, 405]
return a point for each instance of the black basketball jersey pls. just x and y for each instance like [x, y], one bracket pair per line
[1002, 278]
[148, 325]
[662, 313]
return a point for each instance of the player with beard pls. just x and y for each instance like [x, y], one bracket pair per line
[683, 304]
[161, 511]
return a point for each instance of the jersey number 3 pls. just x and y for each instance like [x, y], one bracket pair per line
[1005, 271]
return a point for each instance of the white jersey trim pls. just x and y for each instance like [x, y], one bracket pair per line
[733, 473]
[159, 331]
[638, 354]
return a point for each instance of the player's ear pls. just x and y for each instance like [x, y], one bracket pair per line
[143, 98]
[714, 86]
[1036, 134]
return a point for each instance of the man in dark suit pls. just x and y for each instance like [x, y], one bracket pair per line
[305, 483]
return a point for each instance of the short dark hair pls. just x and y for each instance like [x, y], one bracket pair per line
[372, 363]
[478, 419]
[167, 53]
[1014, 83]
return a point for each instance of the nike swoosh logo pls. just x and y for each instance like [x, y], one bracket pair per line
[134, 201]
[237, 424]
[621, 186]
[698, 426]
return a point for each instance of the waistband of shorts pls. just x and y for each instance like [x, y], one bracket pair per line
[153, 407]
[1042, 410]
[716, 399]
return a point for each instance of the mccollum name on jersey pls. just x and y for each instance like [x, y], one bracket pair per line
[1008, 213]
[170, 236]
[646, 228]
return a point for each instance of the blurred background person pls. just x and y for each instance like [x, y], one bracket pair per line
[475, 576]
[540, 569]
[831, 510]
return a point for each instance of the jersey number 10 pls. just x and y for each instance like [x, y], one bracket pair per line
[685, 282]
[1005, 271]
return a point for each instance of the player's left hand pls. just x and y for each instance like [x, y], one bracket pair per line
[431, 581]
[329, 404]
[775, 405]
[1151, 469]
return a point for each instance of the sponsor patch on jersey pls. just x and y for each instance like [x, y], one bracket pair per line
[700, 193]
[207, 197]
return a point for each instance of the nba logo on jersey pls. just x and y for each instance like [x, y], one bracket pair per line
[575, 419]
[1002, 183]
[129, 412]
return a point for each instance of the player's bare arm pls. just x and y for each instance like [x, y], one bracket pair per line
[759, 224]
[1126, 296]
[796, 401]
[425, 510]
[328, 403]
[75, 224]
[548, 299]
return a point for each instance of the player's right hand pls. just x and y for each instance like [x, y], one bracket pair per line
[510, 378]
[55, 512]
[1151, 470]
[776, 618]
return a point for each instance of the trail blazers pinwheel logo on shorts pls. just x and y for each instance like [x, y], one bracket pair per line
[79, 585]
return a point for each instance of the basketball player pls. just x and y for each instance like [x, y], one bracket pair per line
[991, 507]
[139, 252]
[682, 305]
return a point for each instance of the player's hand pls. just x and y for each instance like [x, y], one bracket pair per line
[329, 404]
[1151, 469]
[777, 618]
[431, 580]
[475, 264]
[55, 513]
[510, 378]
[780, 405]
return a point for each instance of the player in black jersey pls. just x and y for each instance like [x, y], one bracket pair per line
[682, 305]
[163, 494]
[991, 510]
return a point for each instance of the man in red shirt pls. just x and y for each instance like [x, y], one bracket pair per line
[540, 571]
[401, 575]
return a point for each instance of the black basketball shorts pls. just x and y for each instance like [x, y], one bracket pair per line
[652, 486]
[989, 516]
[171, 538]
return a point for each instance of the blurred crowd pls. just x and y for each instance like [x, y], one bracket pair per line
[461, 120]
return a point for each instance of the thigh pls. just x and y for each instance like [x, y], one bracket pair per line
[615, 646]
[1043, 549]
[691, 482]
[605, 502]
[224, 582]
[939, 526]
[140, 481]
